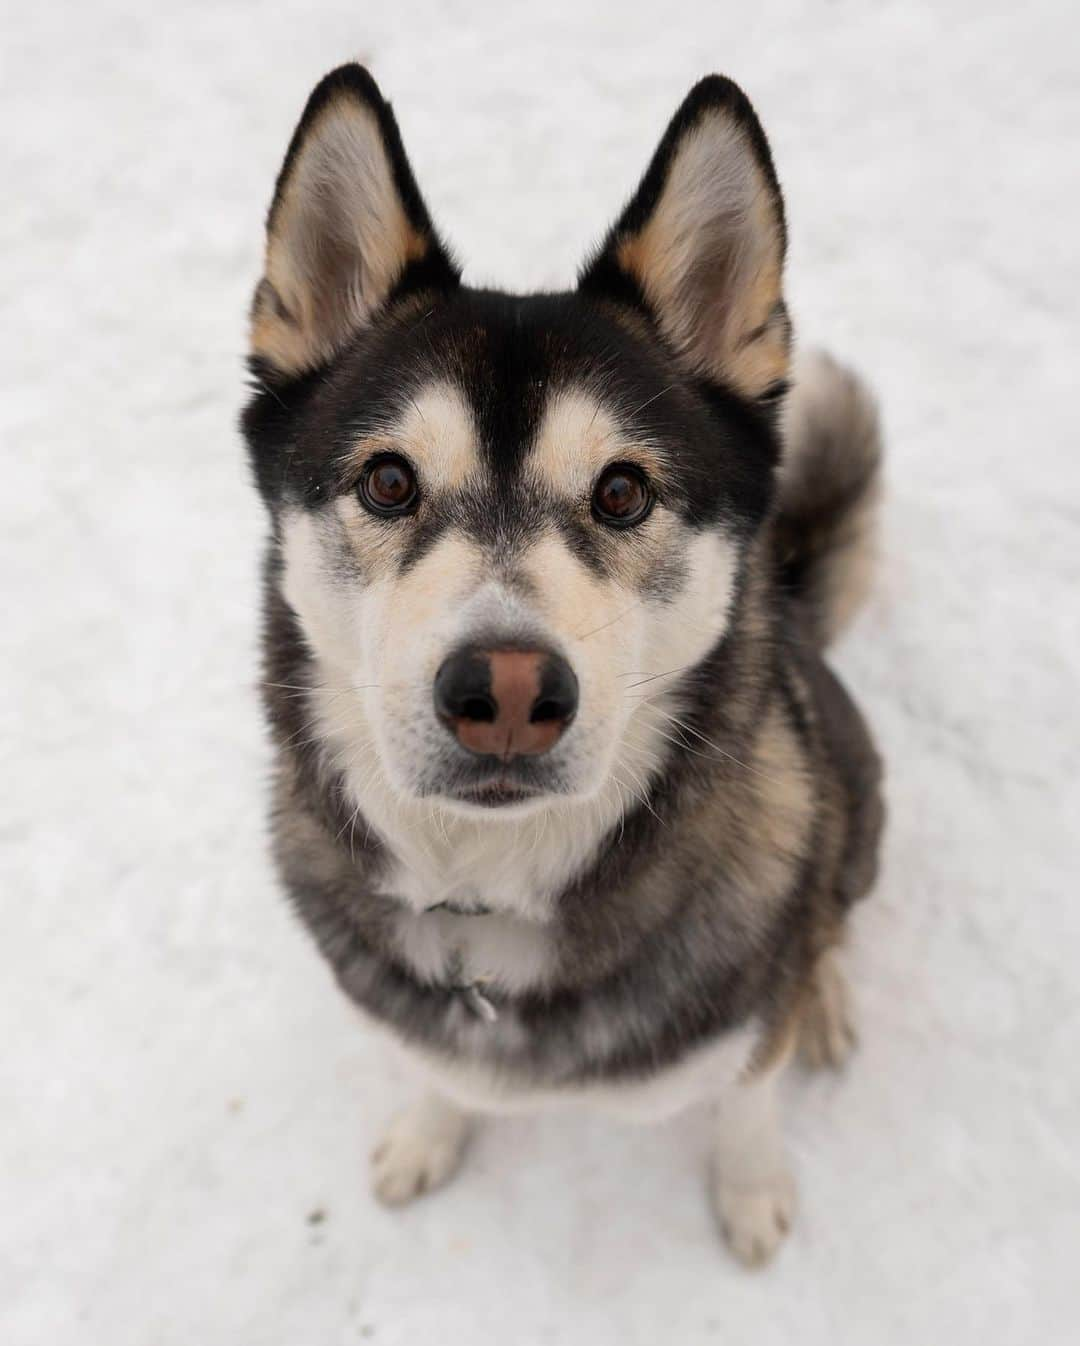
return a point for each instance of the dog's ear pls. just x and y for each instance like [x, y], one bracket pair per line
[347, 229]
[701, 244]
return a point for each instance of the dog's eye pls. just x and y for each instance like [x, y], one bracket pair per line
[388, 485]
[622, 497]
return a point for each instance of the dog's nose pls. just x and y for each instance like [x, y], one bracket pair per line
[506, 703]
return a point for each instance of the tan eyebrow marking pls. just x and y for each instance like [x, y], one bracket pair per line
[437, 433]
[578, 437]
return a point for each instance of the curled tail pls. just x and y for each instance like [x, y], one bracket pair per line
[829, 486]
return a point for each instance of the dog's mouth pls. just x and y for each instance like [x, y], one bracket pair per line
[496, 794]
[495, 785]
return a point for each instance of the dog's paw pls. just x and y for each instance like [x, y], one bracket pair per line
[827, 1034]
[421, 1150]
[755, 1219]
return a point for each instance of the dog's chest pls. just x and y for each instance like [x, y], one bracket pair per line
[499, 950]
[666, 1089]
[488, 957]
[481, 913]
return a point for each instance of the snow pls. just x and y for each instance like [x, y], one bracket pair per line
[183, 1087]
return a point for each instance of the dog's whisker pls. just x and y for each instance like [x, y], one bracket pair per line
[650, 400]
[716, 748]
[604, 625]
[644, 792]
[653, 677]
[642, 801]
[320, 687]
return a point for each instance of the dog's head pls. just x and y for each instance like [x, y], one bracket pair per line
[503, 521]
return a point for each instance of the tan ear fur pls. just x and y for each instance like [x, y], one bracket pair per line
[346, 224]
[703, 242]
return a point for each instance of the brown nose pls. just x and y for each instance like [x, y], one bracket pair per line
[506, 703]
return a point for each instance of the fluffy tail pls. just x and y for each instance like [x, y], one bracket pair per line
[829, 485]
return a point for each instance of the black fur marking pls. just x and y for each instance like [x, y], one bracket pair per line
[421, 534]
[508, 355]
[585, 541]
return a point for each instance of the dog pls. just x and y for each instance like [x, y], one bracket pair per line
[563, 789]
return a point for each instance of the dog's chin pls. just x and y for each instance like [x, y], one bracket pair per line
[496, 804]
[507, 795]
[499, 799]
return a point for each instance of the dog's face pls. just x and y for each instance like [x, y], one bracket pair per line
[505, 522]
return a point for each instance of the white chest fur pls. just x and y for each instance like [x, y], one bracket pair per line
[703, 1076]
[500, 949]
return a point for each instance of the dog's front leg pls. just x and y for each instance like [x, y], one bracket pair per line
[420, 1150]
[752, 1188]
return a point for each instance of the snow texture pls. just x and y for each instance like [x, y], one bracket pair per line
[188, 1103]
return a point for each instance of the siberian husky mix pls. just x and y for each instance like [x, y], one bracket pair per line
[564, 790]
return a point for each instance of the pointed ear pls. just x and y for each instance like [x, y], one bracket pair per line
[701, 244]
[347, 228]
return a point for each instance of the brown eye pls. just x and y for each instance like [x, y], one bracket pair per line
[622, 497]
[388, 486]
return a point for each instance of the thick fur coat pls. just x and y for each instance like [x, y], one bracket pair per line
[643, 913]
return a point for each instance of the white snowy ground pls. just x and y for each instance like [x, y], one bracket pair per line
[182, 1087]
